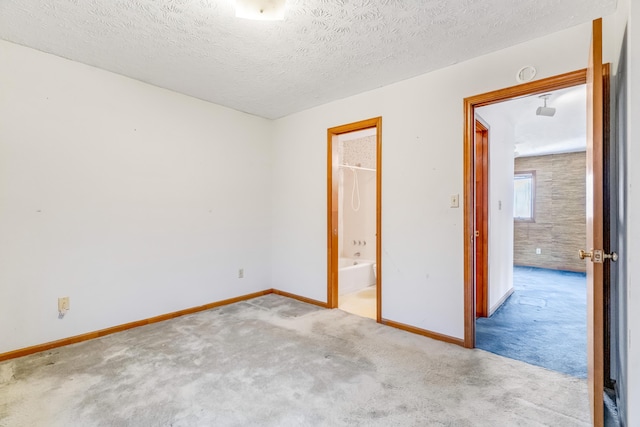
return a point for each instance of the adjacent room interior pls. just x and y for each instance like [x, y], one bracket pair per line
[357, 222]
[537, 311]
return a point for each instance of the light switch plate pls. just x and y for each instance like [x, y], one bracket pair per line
[455, 201]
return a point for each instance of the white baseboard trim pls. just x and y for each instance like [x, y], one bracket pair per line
[499, 303]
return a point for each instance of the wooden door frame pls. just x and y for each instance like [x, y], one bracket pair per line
[595, 225]
[332, 209]
[562, 81]
[482, 230]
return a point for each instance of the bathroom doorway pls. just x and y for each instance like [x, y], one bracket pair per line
[354, 218]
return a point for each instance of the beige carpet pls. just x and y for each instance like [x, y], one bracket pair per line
[273, 361]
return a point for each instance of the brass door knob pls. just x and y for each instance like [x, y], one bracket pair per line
[582, 254]
[598, 256]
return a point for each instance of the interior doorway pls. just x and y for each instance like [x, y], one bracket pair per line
[474, 210]
[353, 217]
[536, 296]
[531, 296]
[596, 76]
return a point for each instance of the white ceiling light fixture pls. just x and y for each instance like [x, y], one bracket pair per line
[261, 10]
[545, 111]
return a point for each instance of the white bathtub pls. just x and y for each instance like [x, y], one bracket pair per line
[354, 274]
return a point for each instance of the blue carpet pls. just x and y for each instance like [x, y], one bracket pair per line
[542, 323]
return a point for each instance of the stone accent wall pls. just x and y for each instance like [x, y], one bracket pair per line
[559, 229]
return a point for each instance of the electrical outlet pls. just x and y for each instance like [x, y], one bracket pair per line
[538, 251]
[63, 304]
[240, 273]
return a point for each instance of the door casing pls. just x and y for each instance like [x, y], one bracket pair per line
[595, 225]
[596, 335]
[332, 208]
[481, 163]
[470, 104]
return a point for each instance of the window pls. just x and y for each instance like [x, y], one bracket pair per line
[524, 185]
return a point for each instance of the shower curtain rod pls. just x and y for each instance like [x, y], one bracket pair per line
[357, 167]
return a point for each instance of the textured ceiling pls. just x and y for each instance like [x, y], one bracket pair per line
[323, 50]
[534, 135]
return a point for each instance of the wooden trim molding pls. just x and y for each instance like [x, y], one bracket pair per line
[379, 219]
[561, 81]
[481, 232]
[300, 298]
[332, 209]
[469, 105]
[423, 332]
[119, 328]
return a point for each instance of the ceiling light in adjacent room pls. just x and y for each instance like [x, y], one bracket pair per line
[545, 111]
[263, 10]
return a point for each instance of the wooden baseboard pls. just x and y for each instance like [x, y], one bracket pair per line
[424, 332]
[299, 298]
[119, 328]
[499, 303]
[391, 323]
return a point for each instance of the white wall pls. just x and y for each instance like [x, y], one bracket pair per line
[629, 196]
[132, 200]
[632, 213]
[422, 160]
[501, 170]
[360, 225]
